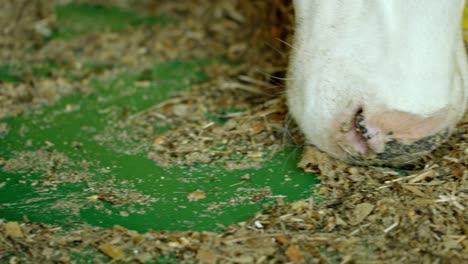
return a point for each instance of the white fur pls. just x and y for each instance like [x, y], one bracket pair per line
[379, 55]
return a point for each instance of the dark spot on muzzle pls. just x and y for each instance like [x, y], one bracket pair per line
[395, 149]
[398, 154]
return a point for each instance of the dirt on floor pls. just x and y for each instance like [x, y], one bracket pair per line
[364, 214]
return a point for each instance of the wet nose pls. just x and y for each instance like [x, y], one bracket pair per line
[393, 138]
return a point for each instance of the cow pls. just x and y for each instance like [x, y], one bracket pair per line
[376, 81]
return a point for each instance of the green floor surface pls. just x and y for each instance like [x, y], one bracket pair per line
[150, 197]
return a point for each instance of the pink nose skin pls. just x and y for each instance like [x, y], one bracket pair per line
[390, 138]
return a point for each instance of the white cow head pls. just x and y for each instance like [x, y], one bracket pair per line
[382, 81]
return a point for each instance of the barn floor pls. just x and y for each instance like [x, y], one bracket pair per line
[157, 132]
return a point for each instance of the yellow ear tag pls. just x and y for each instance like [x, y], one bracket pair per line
[465, 23]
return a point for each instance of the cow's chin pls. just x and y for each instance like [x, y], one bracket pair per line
[387, 137]
[366, 136]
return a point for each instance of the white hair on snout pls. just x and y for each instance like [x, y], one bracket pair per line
[386, 57]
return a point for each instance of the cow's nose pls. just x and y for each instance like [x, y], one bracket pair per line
[393, 139]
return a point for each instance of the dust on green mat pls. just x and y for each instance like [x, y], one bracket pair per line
[156, 197]
[55, 131]
[75, 19]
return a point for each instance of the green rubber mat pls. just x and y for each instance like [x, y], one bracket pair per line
[57, 170]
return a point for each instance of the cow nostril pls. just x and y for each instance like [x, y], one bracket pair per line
[359, 126]
[356, 135]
